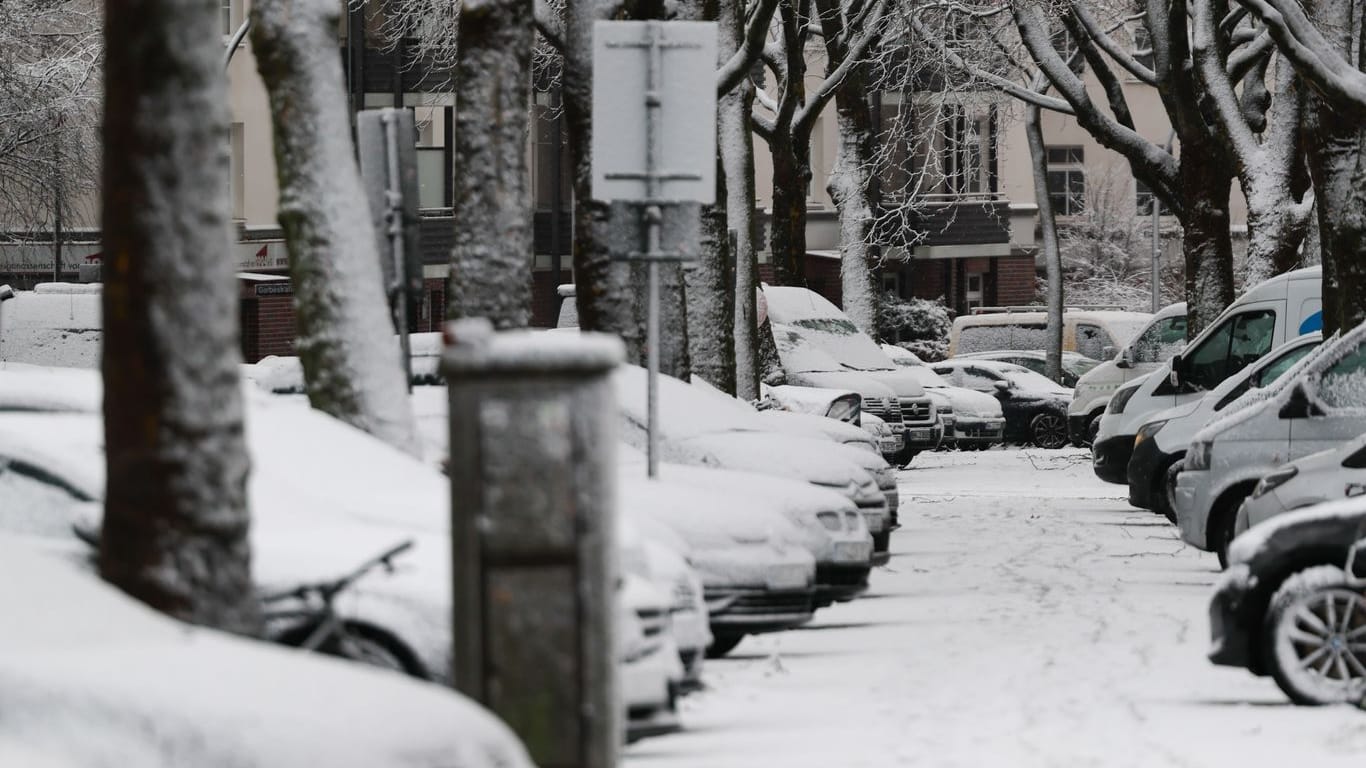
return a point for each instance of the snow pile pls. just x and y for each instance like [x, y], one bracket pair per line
[90, 677]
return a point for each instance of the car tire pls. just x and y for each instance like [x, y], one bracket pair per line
[1093, 428]
[723, 643]
[904, 459]
[1049, 430]
[1316, 616]
[1164, 493]
[1221, 530]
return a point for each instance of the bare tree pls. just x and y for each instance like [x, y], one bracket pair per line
[176, 517]
[345, 340]
[51, 52]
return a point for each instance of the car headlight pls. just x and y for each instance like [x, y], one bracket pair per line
[1147, 431]
[1120, 399]
[845, 409]
[1197, 458]
[1274, 480]
[831, 520]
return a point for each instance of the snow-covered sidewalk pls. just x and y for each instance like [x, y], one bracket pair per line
[1029, 617]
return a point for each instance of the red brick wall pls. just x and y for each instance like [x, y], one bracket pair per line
[275, 325]
[1015, 280]
[822, 276]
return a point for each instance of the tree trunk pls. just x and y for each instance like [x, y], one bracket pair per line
[1051, 254]
[1337, 169]
[493, 253]
[352, 364]
[176, 518]
[1206, 180]
[851, 188]
[735, 146]
[787, 227]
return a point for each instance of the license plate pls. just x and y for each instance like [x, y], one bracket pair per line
[919, 434]
[850, 551]
[890, 444]
[787, 577]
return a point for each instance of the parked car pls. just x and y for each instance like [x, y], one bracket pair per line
[1164, 336]
[655, 554]
[1095, 333]
[850, 359]
[1263, 318]
[706, 428]
[1074, 365]
[1292, 603]
[1160, 446]
[971, 419]
[1035, 408]
[839, 404]
[90, 676]
[1328, 475]
[649, 665]
[1320, 403]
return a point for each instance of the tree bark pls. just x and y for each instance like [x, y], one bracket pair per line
[493, 252]
[1206, 179]
[787, 225]
[352, 366]
[176, 517]
[851, 189]
[1051, 254]
[735, 146]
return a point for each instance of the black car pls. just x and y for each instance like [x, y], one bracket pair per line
[1035, 407]
[1074, 366]
[1292, 603]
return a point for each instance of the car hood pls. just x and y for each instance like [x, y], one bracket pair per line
[807, 425]
[813, 461]
[1331, 524]
[855, 381]
[967, 402]
[702, 518]
[904, 383]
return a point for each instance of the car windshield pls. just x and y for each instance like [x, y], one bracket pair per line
[1079, 365]
[799, 355]
[924, 376]
[1023, 378]
[844, 342]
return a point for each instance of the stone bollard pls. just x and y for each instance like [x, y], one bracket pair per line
[533, 499]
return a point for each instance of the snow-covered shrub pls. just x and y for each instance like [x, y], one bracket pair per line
[920, 325]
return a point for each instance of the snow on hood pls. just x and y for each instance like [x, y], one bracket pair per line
[817, 426]
[902, 356]
[703, 519]
[45, 388]
[824, 327]
[813, 400]
[132, 683]
[857, 381]
[1255, 540]
[798, 458]
[924, 376]
[969, 402]
[684, 411]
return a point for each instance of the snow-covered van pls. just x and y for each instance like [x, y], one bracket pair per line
[1319, 404]
[1095, 333]
[1163, 337]
[819, 346]
[1262, 319]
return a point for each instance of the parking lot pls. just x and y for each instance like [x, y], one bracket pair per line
[1029, 617]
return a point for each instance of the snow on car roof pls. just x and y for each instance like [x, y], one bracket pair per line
[142, 689]
[684, 410]
[26, 387]
[1018, 374]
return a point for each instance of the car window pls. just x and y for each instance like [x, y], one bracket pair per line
[1163, 339]
[979, 379]
[1032, 363]
[1343, 385]
[1237, 342]
[1092, 340]
[989, 338]
[1276, 368]
[36, 504]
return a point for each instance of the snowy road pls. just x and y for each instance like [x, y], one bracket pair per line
[1029, 617]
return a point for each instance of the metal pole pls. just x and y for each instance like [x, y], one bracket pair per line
[654, 217]
[56, 209]
[1157, 255]
[556, 175]
[394, 218]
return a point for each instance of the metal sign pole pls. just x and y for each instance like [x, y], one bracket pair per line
[654, 216]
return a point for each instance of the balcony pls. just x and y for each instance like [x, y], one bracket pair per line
[932, 226]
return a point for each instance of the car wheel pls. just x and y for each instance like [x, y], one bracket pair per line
[358, 642]
[722, 644]
[1093, 429]
[1049, 430]
[1315, 638]
[906, 458]
[1221, 526]
[1164, 495]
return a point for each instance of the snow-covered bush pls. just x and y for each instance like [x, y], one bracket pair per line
[920, 325]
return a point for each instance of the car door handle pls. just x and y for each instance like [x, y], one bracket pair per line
[1355, 489]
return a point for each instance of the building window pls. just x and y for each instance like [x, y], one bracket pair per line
[1066, 180]
[891, 283]
[543, 169]
[229, 18]
[1143, 44]
[1143, 198]
[972, 294]
[237, 148]
[1067, 48]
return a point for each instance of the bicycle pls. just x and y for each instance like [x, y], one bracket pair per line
[305, 617]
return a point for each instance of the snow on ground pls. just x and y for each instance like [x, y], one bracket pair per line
[1029, 617]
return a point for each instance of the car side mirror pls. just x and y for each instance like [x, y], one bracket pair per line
[1299, 405]
[1174, 377]
[1002, 388]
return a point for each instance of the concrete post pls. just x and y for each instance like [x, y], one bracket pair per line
[533, 486]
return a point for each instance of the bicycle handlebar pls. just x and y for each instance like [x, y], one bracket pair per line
[329, 589]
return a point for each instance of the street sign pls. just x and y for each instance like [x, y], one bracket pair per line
[654, 111]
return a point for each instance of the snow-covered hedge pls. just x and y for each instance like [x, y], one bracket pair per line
[920, 325]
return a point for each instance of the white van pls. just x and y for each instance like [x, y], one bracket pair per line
[1095, 333]
[1319, 404]
[1262, 319]
[1161, 442]
[1163, 337]
[819, 346]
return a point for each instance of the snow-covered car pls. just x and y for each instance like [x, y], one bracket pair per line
[703, 427]
[756, 574]
[1035, 407]
[1324, 476]
[1074, 364]
[648, 658]
[1160, 446]
[804, 322]
[839, 404]
[1319, 403]
[1292, 603]
[1164, 336]
[89, 676]
[971, 419]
